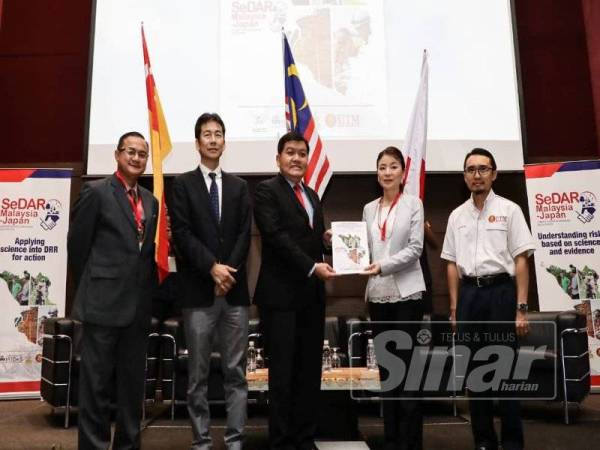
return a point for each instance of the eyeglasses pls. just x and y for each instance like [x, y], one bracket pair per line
[131, 152]
[481, 170]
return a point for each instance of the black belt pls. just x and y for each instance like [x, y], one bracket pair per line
[487, 280]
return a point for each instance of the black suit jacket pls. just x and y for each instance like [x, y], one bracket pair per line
[115, 277]
[200, 241]
[290, 246]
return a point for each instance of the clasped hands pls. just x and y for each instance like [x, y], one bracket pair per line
[222, 275]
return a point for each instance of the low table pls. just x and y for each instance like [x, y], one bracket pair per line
[342, 379]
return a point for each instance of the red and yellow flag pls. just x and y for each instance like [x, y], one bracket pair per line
[160, 146]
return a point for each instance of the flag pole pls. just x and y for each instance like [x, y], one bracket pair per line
[283, 38]
[283, 45]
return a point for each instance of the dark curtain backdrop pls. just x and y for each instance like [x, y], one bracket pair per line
[44, 46]
[560, 121]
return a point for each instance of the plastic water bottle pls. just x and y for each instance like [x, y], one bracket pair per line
[251, 358]
[371, 359]
[260, 362]
[326, 366]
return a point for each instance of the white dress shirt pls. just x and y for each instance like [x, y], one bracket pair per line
[218, 179]
[307, 204]
[486, 242]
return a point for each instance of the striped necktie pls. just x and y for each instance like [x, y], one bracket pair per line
[214, 196]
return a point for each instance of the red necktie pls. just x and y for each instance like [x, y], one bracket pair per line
[298, 192]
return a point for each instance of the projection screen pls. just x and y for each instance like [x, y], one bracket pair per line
[359, 63]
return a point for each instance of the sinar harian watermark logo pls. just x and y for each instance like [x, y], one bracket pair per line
[485, 359]
[51, 216]
[587, 203]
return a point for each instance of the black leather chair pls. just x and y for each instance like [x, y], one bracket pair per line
[60, 364]
[565, 370]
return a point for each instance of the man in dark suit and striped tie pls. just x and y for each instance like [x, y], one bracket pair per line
[211, 219]
[290, 294]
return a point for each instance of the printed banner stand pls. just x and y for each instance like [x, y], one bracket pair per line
[565, 222]
[34, 220]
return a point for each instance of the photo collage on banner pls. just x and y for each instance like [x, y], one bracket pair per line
[34, 220]
[563, 199]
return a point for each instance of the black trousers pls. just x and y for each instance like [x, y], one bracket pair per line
[402, 418]
[491, 303]
[293, 344]
[113, 360]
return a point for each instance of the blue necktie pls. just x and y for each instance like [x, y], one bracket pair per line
[214, 196]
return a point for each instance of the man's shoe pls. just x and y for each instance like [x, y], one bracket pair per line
[486, 447]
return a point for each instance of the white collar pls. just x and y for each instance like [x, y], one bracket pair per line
[292, 184]
[490, 197]
[205, 170]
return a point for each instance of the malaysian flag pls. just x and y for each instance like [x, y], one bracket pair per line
[300, 119]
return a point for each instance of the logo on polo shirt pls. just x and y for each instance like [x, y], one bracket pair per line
[500, 219]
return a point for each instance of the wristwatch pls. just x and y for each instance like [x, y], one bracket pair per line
[522, 307]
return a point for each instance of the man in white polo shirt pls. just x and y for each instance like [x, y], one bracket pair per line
[486, 247]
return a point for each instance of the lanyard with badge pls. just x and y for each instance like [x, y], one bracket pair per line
[135, 201]
[383, 287]
[383, 228]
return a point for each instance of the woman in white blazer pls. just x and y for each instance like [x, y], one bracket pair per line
[395, 288]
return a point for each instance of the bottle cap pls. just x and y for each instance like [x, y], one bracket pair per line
[326, 342]
[370, 341]
[251, 343]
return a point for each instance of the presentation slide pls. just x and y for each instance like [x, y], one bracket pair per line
[359, 62]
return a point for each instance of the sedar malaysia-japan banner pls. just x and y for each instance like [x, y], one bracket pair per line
[563, 202]
[34, 220]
